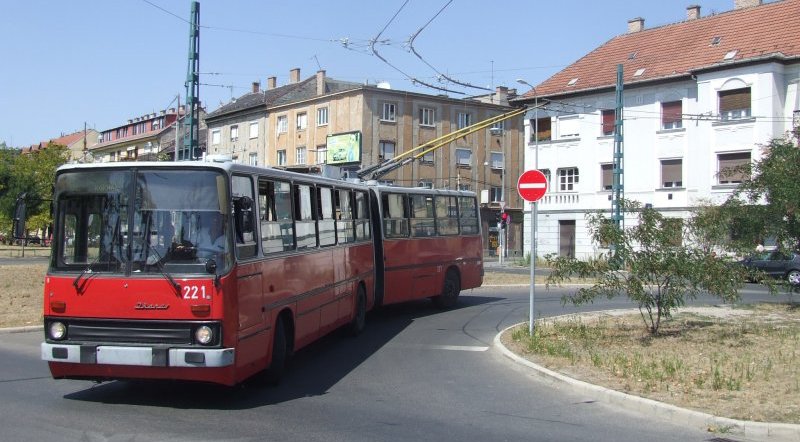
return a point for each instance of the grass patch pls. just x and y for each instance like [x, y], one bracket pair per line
[737, 363]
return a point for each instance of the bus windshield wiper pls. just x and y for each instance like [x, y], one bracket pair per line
[88, 269]
[161, 269]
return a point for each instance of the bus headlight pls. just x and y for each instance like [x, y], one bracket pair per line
[204, 335]
[58, 330]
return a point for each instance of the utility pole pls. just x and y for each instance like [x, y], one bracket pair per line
[190, 121]
[617, 187]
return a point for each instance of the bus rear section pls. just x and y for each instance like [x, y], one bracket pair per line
[430, 244]
[198, 272]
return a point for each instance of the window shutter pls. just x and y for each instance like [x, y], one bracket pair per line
[608, 176]
[727, 165]
[671, 112]
[608, 122]
[671, 173]
[734, 100]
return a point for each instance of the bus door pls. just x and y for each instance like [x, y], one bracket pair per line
[249, 281]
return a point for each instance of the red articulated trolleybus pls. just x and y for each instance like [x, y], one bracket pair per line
[216, 271]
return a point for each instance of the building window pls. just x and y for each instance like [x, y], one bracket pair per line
[498, 126]
[322, 154]
[300, 155]
[546, 173]
[608, 117]
[541, 130]
[215, 137]
[322, 116]
[607, 180]
[254, 130]
[672, 115]
[465, 187]
[427, 116]
[567, 179]
[254, 159]
[732, 167]
[734, 104]
[302, 121]
[495, 194]
[281, 157]
[235, 133]
[672, 173]
[283, 124]
[497, 160]
[464, 120]
[386, 150]
[425, 184]
[568, 126]
[428, 158]
[463, 157]
[389, 112]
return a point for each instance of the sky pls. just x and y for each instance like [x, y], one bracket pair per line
[64, 64]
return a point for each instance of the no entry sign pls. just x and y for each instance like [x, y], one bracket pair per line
[532, 185]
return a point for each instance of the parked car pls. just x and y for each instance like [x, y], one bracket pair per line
[776, 264]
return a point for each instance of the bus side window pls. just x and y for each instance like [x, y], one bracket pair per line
[395, 215]
[277, 227]
[468, 214]
[244, 217]
[344, 216]
[304, 217]
[362, 217]
[325, 222]
[446, 215]
[422, 216]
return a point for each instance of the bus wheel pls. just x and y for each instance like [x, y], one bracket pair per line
[280, 354]
[359, 321]
[450, 291]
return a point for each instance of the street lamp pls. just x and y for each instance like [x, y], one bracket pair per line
[534, 205]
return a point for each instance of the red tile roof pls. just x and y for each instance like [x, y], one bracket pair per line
[767, 31]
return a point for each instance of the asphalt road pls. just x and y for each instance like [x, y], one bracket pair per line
[415, 374]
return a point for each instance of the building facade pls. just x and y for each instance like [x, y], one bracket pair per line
[292, 126]
[150, 137]
[700, 97]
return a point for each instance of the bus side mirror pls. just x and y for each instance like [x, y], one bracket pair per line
[19, 217]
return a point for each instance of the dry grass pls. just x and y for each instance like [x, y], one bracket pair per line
[742, 363]
[21, 292]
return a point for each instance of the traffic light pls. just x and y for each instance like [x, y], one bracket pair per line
[503, 220]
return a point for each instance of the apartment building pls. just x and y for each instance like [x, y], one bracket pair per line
[700, 96]
[319, 121]
[150, 137]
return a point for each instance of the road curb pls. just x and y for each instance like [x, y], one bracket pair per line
[25, 329]
[661, 410]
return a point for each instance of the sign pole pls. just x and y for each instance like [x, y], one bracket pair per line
[532, 185]
[534, 208]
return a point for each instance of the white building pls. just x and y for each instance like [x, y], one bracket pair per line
[699, 96]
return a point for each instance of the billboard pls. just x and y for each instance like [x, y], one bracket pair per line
[344, 148]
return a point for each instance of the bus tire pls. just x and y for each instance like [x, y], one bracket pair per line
[450, 291]
[359, 321]
[280, 354]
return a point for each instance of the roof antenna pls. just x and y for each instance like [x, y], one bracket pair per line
[319, 67]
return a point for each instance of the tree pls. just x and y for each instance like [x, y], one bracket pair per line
[32, 174]
[659, 273]
[767, 203]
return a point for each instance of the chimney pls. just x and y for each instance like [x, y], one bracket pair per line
[741, 4]
[271, 83]
[501, 93]
[635, 25]
[692, 12]
[320, 82]
[294, 76]
[256, 86]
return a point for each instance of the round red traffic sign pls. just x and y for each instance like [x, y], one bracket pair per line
[532, 185]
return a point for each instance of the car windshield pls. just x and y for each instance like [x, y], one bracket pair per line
[146, 221]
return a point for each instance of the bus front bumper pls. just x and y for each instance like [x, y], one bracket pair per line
[139, 356]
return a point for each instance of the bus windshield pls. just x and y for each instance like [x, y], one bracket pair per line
[142, 221]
